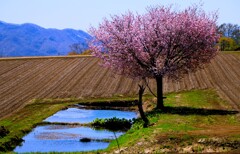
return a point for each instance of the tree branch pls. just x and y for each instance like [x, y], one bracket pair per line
[145, 80]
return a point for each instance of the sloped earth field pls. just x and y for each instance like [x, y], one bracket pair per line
[24, 79]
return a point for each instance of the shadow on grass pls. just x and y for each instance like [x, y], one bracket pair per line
[192, 111]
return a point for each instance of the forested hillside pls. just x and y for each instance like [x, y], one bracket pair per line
[33, 40]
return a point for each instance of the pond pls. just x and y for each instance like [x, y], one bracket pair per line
[76, 115]
[66, 138]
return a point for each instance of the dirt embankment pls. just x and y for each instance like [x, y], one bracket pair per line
[24, 79]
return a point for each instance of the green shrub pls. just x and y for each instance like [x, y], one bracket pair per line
[3, 131]
[114, 124]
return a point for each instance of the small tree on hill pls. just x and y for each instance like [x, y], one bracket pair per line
[230, 31]
[76, 48]
[230, 39]
[161, 42]
[227, 44]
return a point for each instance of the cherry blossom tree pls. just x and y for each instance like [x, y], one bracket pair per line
[160, 43]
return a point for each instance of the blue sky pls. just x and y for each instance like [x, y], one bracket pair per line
[81, 14]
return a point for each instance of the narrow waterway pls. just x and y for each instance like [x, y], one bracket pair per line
[66, 138]
[76, 115]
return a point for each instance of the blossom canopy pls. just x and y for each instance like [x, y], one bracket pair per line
[161, 42]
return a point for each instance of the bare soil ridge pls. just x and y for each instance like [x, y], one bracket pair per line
[23, 79]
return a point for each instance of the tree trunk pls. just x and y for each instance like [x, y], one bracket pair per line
[144, 118]
[159, 80]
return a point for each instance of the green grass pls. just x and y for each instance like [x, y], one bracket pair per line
[232, 52]
[24, 120]
[27, 118]
[185, 112]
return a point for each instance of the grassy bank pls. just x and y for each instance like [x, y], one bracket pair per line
[194, 121]
[22, 121]
[236, 53]
[25, 119]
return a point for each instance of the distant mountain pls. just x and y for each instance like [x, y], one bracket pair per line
[33, 40]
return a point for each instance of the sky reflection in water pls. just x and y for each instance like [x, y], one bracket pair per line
[65, 138]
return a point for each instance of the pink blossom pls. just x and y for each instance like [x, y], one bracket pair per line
[161, 42]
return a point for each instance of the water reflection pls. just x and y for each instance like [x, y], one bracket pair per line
[75, 115]
[66, 138]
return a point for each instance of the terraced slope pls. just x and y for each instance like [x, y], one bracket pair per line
[24, 79]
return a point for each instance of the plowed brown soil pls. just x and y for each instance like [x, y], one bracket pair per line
[23, 79]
